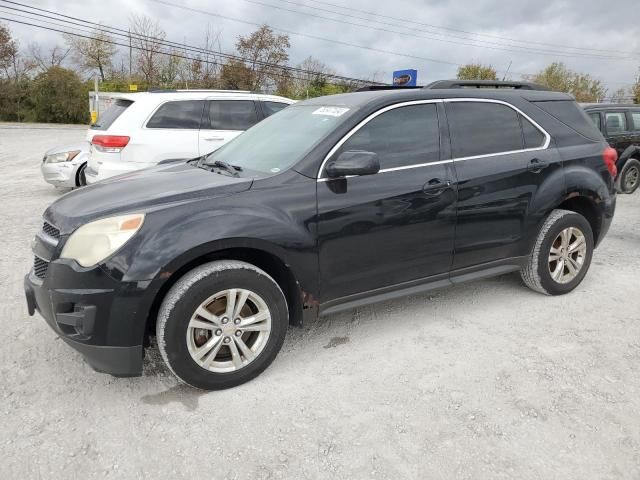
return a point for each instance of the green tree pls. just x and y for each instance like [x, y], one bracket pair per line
[476, 71]
[581, 85]
[58, 96]
[236, 75]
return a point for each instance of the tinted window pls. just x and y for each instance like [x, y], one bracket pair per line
[569, 113]
[232, 114]
[106, 119]
[184, 114]
[483, 128]
[401, 137]
[595, 117]
[269, 108]
[616, 122]
[635, 118]
[533, 138]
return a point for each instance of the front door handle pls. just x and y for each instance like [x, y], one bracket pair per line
[536, 165]
[435, 186]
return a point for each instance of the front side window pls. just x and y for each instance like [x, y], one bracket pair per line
[596, 119]
[635, 117]
[232, 114]
[616, 122]
[183, 114]
[479, 128]
[400, 137]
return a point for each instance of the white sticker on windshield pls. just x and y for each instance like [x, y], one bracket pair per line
[331, 111]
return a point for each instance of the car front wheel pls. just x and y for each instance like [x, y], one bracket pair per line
[221, 324]
[561, 255]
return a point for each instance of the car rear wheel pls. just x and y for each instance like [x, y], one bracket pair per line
[629, 179]
[222, 324]
[561, 255]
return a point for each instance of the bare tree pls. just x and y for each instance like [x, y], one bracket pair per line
[95, 53]
[147, 37]
[45, 60]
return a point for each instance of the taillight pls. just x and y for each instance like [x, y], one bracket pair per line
[109, 143]
[610, 157]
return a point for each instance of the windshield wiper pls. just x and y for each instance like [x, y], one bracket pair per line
[232, 169]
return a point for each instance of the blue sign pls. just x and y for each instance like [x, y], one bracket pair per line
[405, 78]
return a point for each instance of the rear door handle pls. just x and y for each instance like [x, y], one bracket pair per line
[536, 165]
[435, 186]
[214, 139]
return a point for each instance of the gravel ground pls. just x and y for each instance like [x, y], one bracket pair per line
[484, 380]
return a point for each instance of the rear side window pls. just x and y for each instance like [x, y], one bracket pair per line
[106, 119]
[635, 119]
[533, 137]
[232, 115]
[479, 128]
[569, 113]
[597, 120]
[401, 137]
[269, 108]
[183, 115]
[616, 122]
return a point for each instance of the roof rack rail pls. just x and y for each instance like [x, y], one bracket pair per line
[442, 84]
[196, 90]
[371, 88]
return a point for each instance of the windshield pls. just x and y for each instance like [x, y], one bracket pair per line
[281, 140]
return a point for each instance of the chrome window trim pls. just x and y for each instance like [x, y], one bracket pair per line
[362, 123]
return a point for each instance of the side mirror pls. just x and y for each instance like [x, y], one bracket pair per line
[353, 162]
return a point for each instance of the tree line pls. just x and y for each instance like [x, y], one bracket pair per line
[52, 85]
[558, 77]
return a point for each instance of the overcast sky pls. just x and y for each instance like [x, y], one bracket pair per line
[584, 34]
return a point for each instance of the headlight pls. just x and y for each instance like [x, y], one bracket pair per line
[95, 241]
[61, 157]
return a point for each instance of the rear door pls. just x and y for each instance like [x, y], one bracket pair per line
[224, 120]
[377, 231]
[501, 159]
[618, 131]
[171, 132]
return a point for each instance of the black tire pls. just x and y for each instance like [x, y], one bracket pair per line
[536, 273]
[628, 180]
[81, 178]
[189, 293]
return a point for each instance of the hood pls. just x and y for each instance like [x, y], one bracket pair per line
[141, 191]
[82, 146]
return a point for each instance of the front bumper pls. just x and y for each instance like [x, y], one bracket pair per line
[93, 313]
[61, 174]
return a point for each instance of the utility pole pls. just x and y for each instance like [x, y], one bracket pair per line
[130, 55]
[505, 73]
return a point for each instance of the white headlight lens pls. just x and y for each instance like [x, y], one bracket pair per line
[95, 241]
[61, 157]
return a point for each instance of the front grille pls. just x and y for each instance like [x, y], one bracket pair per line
[51, 230]
[40, 267]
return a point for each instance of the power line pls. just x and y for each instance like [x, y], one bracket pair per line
[484, 44]
[167, 43]
[315, 37]
[160, 52]
[407, 20]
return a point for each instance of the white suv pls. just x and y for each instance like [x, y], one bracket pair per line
[141, 130]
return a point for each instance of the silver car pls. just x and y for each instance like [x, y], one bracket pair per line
[65, 166]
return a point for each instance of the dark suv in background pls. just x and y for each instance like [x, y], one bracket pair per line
[330, 204]
[620, 124]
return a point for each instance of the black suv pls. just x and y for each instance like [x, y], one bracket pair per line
[330, 204]
[620, 124]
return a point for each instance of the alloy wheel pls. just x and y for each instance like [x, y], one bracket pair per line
[567, 255]
[229, 330]
[631, 179]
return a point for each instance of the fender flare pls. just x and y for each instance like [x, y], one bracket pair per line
[630, 151]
